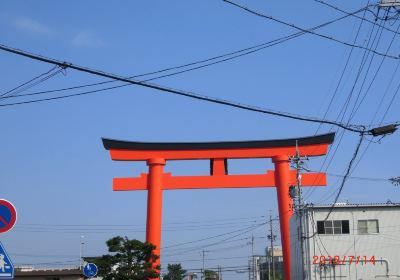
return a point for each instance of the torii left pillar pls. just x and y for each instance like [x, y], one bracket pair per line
[156, 155]
[154, 204]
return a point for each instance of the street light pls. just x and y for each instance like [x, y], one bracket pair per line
[81, 252]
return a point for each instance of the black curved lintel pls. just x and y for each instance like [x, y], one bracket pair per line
[110, 144]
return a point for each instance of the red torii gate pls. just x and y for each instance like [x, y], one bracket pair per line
[156, 155]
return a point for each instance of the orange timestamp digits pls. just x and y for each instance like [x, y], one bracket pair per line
[337, 260]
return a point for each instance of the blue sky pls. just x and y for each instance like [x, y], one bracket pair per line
[57, 173]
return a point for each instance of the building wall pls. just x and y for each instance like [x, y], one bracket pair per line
[295, 252]
[48, 274]
[49, 277]
[383, 246]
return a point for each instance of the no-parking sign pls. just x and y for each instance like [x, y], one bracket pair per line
[8, 215]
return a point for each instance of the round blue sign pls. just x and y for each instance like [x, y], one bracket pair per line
[90, 270]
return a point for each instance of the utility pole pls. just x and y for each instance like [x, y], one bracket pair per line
[299, 206]
[252, 263]
[82, 243]
[252, 259]
[252, 245]
[203, 275]
[272, 237]
[298, 163]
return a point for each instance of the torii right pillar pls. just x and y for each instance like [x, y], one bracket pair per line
[285, 206]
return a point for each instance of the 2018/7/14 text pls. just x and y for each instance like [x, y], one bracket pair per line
[336, 260]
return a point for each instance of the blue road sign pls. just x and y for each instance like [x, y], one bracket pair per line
[90, 270]
[6, 266]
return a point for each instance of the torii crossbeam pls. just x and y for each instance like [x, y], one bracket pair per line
[155, 181]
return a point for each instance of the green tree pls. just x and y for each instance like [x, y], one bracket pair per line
[210, 275]
[130, 260]
[175, 272]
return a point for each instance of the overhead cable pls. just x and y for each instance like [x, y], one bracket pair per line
[343, 71]
[305, 30]
[31, 83]
[345, 177]
[354, 15]
[353, 128]
[203, 63]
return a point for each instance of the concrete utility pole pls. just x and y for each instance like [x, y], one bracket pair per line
[203, 275]
[272, 237]
[253, 267]
[299, 207]
[202, 270]
[82, 243]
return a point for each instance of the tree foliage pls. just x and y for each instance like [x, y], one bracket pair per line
[175, 272]
[210, 275]
[130, 260]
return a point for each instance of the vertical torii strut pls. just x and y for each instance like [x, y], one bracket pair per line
[156, 155]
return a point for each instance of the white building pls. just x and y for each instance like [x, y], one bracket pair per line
[356, 241]
[256, 264]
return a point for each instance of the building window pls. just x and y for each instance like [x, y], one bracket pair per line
[333, 227]
[368, 226]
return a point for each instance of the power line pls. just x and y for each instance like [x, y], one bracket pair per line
[391, 102]
[212, 221]
[220, 241]
[175, 91]
[119, 229]
[345, 177]
[386, 92]
[374, 51]
[241, 53]
[360, 178]
[354, 15]
[222, 58]
[376, 73]
[208, 259]
[363, 62]
[304, 30]
[357, 104]
[343, 71]
[30, 83]
[207, 238]
[336, 91]
[355, 107]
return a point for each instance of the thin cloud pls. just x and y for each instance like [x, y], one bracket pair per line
[86, 39]
[31, 26]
